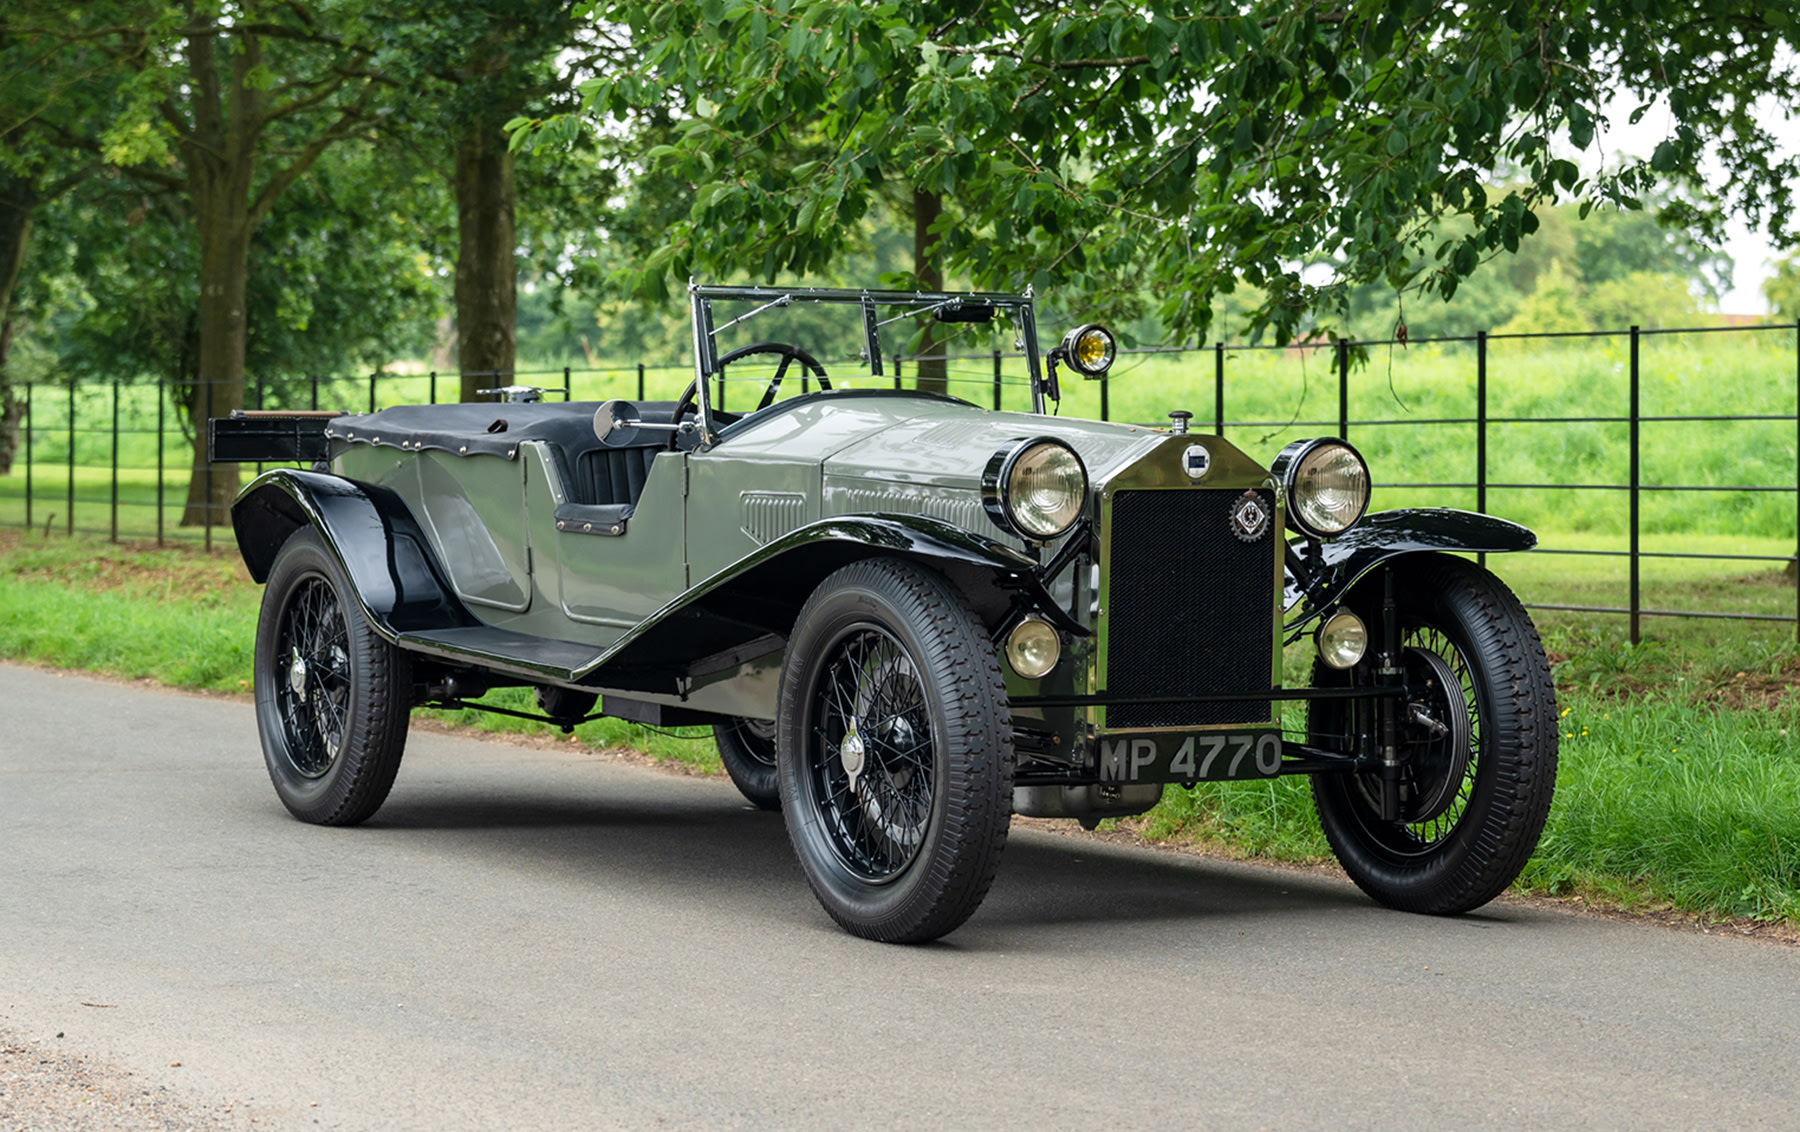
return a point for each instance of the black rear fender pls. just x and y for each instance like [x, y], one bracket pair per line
[370, 532]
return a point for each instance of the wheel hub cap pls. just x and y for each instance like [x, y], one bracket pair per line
[297, 676]
[852, 753]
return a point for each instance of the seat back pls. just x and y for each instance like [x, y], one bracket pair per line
[611, 475]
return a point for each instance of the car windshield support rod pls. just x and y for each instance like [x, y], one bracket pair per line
[781, 302]
[930, 307]
[706, 358]
[871, 335]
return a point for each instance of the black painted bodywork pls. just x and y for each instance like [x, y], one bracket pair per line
[1334, 566]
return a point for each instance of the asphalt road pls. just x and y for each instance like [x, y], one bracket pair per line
[546, 939]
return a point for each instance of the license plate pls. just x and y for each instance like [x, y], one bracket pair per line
[1204, 756]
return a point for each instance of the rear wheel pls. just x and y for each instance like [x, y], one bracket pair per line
[1478, 738]
[895, 752]
[747, 748]
[331, 696]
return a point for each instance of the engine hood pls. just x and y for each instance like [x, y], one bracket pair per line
[950, 445]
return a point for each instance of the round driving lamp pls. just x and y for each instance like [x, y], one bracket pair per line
[1326, 483]
[1034, 488]
[1342, 639]
[1090, 349]
[1033, 648]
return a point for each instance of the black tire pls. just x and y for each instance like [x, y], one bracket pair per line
[747, 748]
[900, 835]
[333, 723]
[1475, 796]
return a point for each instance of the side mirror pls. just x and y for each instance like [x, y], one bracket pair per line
[615, 423]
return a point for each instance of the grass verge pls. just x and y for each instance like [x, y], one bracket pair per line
[1678, 787]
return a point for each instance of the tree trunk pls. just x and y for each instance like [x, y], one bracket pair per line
[16, 201]
[219, 382]
[934, 375]
[12, 410]
[486, 274]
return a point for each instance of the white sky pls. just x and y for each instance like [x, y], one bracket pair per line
[1751, 254]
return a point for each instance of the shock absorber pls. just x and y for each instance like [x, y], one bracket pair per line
[1392, 674]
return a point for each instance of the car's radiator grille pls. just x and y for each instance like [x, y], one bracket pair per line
[1190, 608]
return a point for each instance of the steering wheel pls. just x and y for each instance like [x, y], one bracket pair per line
[787, 352]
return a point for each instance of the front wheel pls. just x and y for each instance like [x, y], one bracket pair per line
[1477, 737]
[895, 752]
[331, 696]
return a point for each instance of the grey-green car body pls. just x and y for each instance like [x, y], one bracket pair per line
[475, 542]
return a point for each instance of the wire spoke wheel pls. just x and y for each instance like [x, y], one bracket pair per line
[871, 756]
[1437, 781]
[894, 751]
[312, 678]
[1476, 737]
[332, 697]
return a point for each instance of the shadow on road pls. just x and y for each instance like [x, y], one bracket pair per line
[709, 848]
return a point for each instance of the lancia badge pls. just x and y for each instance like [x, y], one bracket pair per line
[1195, 461]
[1249, 517]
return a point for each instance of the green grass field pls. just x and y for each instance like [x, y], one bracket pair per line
[1679, 783]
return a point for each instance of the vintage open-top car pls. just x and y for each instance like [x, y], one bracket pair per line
[906, 618]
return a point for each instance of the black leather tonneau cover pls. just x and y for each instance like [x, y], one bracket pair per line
[482, 429]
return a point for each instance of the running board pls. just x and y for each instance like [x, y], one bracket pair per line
[518, 654]
[552, 661]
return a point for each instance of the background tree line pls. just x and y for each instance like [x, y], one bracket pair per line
[194, 191]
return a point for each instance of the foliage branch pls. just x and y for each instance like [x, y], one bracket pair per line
[1119, 150]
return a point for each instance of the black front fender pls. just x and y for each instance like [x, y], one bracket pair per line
[370, 533]
[763, 592]
[1387, 535]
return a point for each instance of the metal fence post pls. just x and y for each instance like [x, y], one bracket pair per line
[28, 455]
[996, 380]
[1636, 595]
[161, 441]
[433, 387]
[1343, 368]
[899, 366]
[69, 520]
[568, 389]
[1481, 429]
[314, 378]
[640, 395]
[115, 461]
[372, 391]
[1219, 388]
[206, 511]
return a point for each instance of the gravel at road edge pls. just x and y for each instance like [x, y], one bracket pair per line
[46, 1086]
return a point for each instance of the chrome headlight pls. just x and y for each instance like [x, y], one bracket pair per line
[1326, 483]
[1342, 640]
[1033, 648]
[1034, 488]
[1090, 349]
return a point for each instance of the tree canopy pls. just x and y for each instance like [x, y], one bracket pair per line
[1166, 153]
